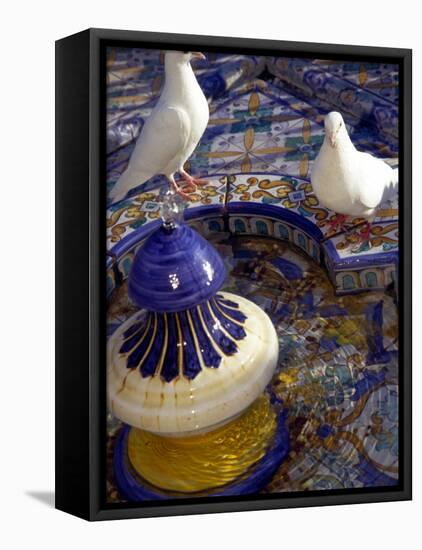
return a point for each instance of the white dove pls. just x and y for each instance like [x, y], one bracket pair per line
[171, 132]
[349, 182]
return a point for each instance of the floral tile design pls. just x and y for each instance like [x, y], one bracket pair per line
[266, 125]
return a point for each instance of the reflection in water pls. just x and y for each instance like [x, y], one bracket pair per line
[337, 373]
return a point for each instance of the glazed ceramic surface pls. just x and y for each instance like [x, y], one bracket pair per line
[244, 454]
[192, 402]
[175, 270]
[337, 371]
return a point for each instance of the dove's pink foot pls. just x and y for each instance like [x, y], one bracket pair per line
[178, 189]
[363, 238]
[336, 223]
[191, 181]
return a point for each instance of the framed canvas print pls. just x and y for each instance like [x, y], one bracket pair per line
[233, 274]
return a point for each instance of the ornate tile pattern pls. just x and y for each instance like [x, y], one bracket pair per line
[265, 130]
[338, 368]
[266, 113]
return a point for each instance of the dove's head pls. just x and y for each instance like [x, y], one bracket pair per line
[334, 126]
[183, 57]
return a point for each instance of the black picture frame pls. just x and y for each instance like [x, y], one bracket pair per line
[80, 280]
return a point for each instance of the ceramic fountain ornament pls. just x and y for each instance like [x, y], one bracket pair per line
[192, 358]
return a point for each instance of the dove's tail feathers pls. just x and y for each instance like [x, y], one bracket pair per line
[394, 183]
[395, 178]
[392, 187]
[127, 181]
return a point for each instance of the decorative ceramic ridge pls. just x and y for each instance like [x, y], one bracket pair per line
[167, 388]
[182, 344]
[191, 359]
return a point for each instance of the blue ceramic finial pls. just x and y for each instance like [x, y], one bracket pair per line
[176, 269]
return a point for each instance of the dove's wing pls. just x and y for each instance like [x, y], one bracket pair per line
[164, 135]
[374, 176]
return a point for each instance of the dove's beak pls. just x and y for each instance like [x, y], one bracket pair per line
[198, 55]
[332, 139]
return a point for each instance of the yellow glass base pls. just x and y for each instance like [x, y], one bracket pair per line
[213, 459]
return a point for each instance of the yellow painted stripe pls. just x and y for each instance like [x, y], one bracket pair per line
[142, 337]
[164, 348]
[179, 346]
[215, 121]
[271, 150]
[139, 365]
[228, 316]
[204, 326]
[388, 213]
[220, 326]
[195, 340]
[217, 154]
[129, 99]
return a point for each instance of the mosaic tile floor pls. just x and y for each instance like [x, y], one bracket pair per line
[338, 367]
[337, 373]
[266, 114]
